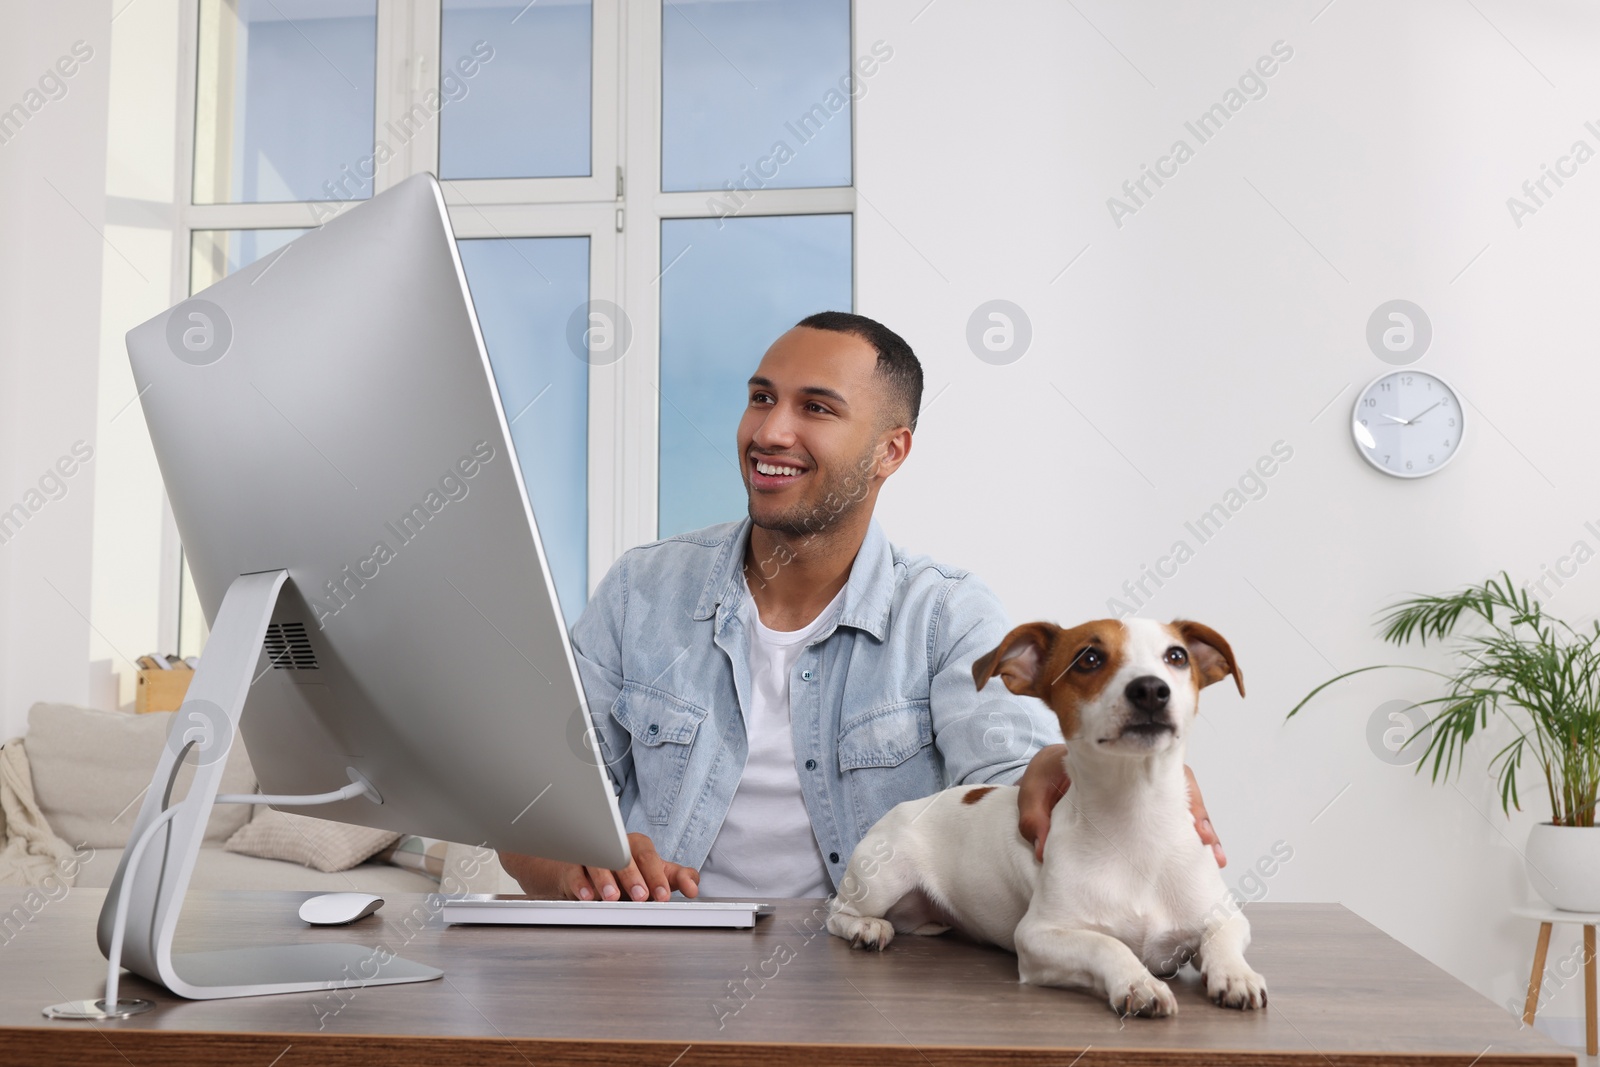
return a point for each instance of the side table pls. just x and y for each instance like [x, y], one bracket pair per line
[1548, 917]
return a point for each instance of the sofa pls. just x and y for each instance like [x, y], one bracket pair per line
[71, 787]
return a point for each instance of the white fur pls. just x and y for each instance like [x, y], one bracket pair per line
[1127, 891]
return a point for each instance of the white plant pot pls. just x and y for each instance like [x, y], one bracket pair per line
[1563, 863]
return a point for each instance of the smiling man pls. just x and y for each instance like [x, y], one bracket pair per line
[764, 690]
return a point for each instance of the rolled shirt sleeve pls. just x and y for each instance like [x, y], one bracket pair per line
[597, 648]
[984, 736]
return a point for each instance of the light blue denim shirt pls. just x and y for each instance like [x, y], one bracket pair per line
[882, 700]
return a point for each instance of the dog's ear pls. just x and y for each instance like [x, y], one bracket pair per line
[1019, 659]
[1209, 650]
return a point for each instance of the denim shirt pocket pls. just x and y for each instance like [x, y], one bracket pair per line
[886, 736]
[663, 728]
[887, 757]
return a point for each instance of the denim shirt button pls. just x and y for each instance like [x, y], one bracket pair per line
[833, 857]
[806, 675]
[811, 764]
[655, 728]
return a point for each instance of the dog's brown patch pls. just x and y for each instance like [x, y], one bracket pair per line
[1210, 657]
[1017, 658]
[975, 795]
[1040, 659]
[1069, 682]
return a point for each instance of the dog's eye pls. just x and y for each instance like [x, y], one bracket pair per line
[1089, 659]
[1177, 656]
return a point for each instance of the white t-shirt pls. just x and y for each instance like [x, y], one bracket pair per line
[766, 847]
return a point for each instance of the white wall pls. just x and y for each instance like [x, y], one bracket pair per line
[133, 578]
[52, 216]
[1224, 316]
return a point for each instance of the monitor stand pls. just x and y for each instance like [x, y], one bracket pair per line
[155, 868]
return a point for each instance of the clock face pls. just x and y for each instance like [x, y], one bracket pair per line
[1407, 423]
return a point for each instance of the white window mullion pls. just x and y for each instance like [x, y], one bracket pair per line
[405, 119]
[605, 96]
[169, 603]
[536, 190]
[607, 383]
[609, 436]
[641, 293]
[296, 215]
[471, 221]
[607, 415]
[721, 203]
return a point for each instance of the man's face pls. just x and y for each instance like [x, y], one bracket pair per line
[811, 430]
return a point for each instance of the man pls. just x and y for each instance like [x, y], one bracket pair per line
[763, 691]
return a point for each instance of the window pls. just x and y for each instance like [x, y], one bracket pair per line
[739, 79]
[287, 92]
[525, 290]
[215, 254]
[531, 118]
[633, 235]
[734, 286]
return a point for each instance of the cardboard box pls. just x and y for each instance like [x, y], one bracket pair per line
[161, 690]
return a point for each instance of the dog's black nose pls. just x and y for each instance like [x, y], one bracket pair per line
[1148, 694]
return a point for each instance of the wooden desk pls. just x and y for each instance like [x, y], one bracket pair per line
[1343, 994]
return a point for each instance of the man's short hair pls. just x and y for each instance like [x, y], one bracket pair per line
[899, 366]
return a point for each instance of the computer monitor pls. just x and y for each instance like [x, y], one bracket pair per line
[362, 544]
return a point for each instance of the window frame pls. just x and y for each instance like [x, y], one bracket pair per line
[619, 207]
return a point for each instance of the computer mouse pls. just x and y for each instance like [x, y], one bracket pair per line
[336, 909]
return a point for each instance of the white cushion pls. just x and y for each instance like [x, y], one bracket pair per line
[90, 767]
[320, 843]
[217, 868]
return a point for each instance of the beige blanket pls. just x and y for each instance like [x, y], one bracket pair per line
[30, 852]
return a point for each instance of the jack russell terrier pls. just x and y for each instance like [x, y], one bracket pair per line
[1126, 891]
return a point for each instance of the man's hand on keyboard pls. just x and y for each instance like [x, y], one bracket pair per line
[647, 877]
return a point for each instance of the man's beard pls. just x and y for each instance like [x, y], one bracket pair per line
[828, 505]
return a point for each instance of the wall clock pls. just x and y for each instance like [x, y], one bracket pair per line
[1407, 423]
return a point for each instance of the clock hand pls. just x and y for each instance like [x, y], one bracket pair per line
[1396, 418]
[1424, 411]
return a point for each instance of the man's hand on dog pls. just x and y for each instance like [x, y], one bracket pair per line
[648, 877]
[1045, 782]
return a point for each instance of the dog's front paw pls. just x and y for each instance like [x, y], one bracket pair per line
[862, 931]
[1236, 986]
[1145, 996]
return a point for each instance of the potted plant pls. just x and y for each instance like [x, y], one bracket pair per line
[1544, 677]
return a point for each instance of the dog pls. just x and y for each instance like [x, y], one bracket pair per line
[1126, 891]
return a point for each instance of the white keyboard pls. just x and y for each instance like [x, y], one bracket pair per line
[521, 911]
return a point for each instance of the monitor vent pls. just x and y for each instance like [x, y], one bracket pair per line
[288, 648]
